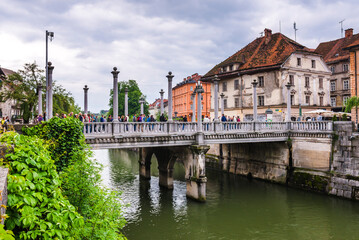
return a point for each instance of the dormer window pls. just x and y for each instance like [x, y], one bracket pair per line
[313, 63]
[332, 69]
[345, 67]
[230, 67]
[299, 62]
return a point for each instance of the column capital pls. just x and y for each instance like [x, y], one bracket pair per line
[254, 83]
[216, 79]
[288, 85]
[222, 95]
[115, 72]
[169, 76]
[50, 67]
[126, 90]
[162, 92]
[86, 88]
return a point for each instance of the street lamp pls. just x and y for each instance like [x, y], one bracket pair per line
[51, 36]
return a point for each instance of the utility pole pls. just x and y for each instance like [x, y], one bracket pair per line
[295, 31]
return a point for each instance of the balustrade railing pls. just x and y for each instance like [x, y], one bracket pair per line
[158, 128]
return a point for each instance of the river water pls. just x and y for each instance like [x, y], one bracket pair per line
[236, 208]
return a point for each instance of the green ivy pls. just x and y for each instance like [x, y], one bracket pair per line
[36, 208]
[6, 234]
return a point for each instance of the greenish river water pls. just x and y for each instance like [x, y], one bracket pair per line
[236, 208]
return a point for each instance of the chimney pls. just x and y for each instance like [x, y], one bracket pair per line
[348, 32]
[267, 35]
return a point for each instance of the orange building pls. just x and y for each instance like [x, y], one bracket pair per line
[181, 97]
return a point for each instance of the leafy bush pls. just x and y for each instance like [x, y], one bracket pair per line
[81, 179]
[345, 117]
[335, 118]
[65, 138]
[37, 208]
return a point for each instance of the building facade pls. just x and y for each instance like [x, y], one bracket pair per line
[155, 107]
[182, 100]
[9, 108]
[338, 60]
[272, 61]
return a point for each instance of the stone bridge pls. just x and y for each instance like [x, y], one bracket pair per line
[189, 142]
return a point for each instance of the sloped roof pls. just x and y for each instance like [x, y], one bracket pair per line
[261, 53]
[333, 51]
[5, 71]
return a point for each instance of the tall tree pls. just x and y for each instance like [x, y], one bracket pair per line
[22, 87]
[134, 95]
[351, 103]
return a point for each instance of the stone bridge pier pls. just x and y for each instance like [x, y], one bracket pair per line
[193, 159]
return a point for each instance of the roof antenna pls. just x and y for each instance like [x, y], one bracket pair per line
[341, 26]
[280, 26]
[295, 31]
[261, 33]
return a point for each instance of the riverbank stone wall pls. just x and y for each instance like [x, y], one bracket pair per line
[3, 191]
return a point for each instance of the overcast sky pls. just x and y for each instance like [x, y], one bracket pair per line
[146, 39]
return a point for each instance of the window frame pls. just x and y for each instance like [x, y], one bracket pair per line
[224, 86]
[333, 85]
[260, 100]
[299, 61]
[260, 81]
[314, 65]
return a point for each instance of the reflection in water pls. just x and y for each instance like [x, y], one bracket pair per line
[235, 209]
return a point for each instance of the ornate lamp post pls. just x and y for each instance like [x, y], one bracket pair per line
[48, 86]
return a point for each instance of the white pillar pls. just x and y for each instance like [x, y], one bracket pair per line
[85, 99]
[50, 70]
[216, 82]
[161, 93]
[222, 103]
[288, 115]
[254, 83]
[126, 101]
[39, 91]
[115, 94]
[170, 77]
[193, 97]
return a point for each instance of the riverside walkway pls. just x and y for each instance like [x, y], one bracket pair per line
[133, 134]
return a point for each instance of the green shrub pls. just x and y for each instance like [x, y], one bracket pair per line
[345, 117]
[335, 118]
[36, 208]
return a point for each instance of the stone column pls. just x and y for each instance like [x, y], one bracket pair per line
[85, 99]
[300, 91]
[170, 77]
[328, 93]
[195, 172]
[254, 83]
[142, 101]
[193, 97]
[288, 115]
[161, 93]
[222, 103]
[216, 82]
[126, 101]
[315, 92]
[39, 91]
[199, 135]
[115, 94]
[50, 70]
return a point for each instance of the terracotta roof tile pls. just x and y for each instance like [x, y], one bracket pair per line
[333, 51]
[261, 53]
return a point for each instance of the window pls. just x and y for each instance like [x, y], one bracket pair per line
[321, 101]
[225, 103]
[345, 67]
[307, 100]
[346, 84]
[291, 99]
[345, 99]
[260, 100]
[236, 102]
[307, 82]
[202, 97]
[332, 85]
[333, 101]
[332, 69]
[224, 87]
[299, 62]
[230, 67]
[291, 79]
[313, 63]
[224, 69]
[236, 84]
[320, 82]
[261, 81]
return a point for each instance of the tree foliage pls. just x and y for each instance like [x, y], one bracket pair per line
[351, 103]
[22, 87]
[134, 95]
